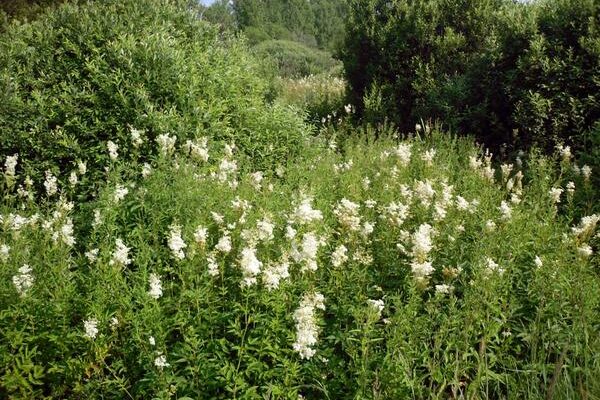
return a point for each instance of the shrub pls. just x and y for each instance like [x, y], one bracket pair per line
[293, 59]
[507, 72]
[82, 75]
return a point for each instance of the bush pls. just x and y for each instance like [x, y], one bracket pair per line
[507, 72]
[293, 59]
[83, 75]
[441, 277]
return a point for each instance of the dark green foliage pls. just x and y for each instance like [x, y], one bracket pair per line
[504, 71]
[293, 59]
[85, 74]
[317, 23]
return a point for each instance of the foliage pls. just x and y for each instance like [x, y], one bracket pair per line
[322, 97]
[189, 317]
[318, 23]
[82, 75]
[293, 59]
[507, 72]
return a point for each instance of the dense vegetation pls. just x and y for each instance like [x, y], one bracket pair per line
[504, 71]
[171, 227]
[86, 74]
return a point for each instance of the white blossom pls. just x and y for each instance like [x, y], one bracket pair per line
[120, 193]
[121, 254]
[91, 328]
[166, 143]
[155, 286]
[112, 150]
[339, 256]
[161, 362]
[23, 281]
[307, 333]
[378, 305]
[51, 184]
[250, 266]
[176, 243]
[224, 244]
[10, 164]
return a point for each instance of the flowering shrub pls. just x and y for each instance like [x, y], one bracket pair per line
[381, 269]
[113, 80]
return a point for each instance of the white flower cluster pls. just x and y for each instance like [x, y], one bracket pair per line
[307, 333]
[197, 149]
[250, 266]
[377, 305]
[10, 165]
[113, 148]
[274, 273]
[339, 256]
[176, 243]
[403, 152]
[304, 213]
[347, 214]
[91, 328]
[306, 254]
[23, 281]
[121, 254]
[155, 286]
[483, 166]
[166, 143]
[136, 136]
[586, 227]
[422, 246]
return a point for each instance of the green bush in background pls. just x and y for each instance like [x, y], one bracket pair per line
[82, 75]
[293, 59]
[507, 72]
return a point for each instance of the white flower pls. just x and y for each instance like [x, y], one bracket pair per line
[378, 305]
[492, 266]
[91, 328]
[152, 341]
[4, 252]
[490, 226]
[155, 286]
[587, 226]
[161, 362]
[114, 322]
[586, 171]
[570, 188]
[422, 243]
[555, 194]
[198, 150]
[347, 213]
[112, 150]
[256, 179]
[136, 137]
[290, 232]
[428, 156]
[265, 229]
[308, 251]
[92, 255]
[538, 261]
[120, 193]
[367, 229]
[23, 281]
[166, 143]
[250, 266]
[213, 267]
[304, 213]
[421, 270]
[224, 244]
[443, 289]
[273, 274]
[146, 170]
[403, 152]
[424, 191]
[82, 167]
[73, 178]
[306, 327]
[585, 250]
[50, 184]
[11, 164]
[200, 235]
[176, 243]
[339, 256]
[505, 210]
[564, 151]
[66, 233]
[121, 254]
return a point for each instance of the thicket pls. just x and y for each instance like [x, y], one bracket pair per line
[83, 75]
[505, 71]
[318, 23]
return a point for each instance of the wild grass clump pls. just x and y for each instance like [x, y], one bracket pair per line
[366, 269]
[126, 72]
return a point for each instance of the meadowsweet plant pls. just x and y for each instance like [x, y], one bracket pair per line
[385, 268]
